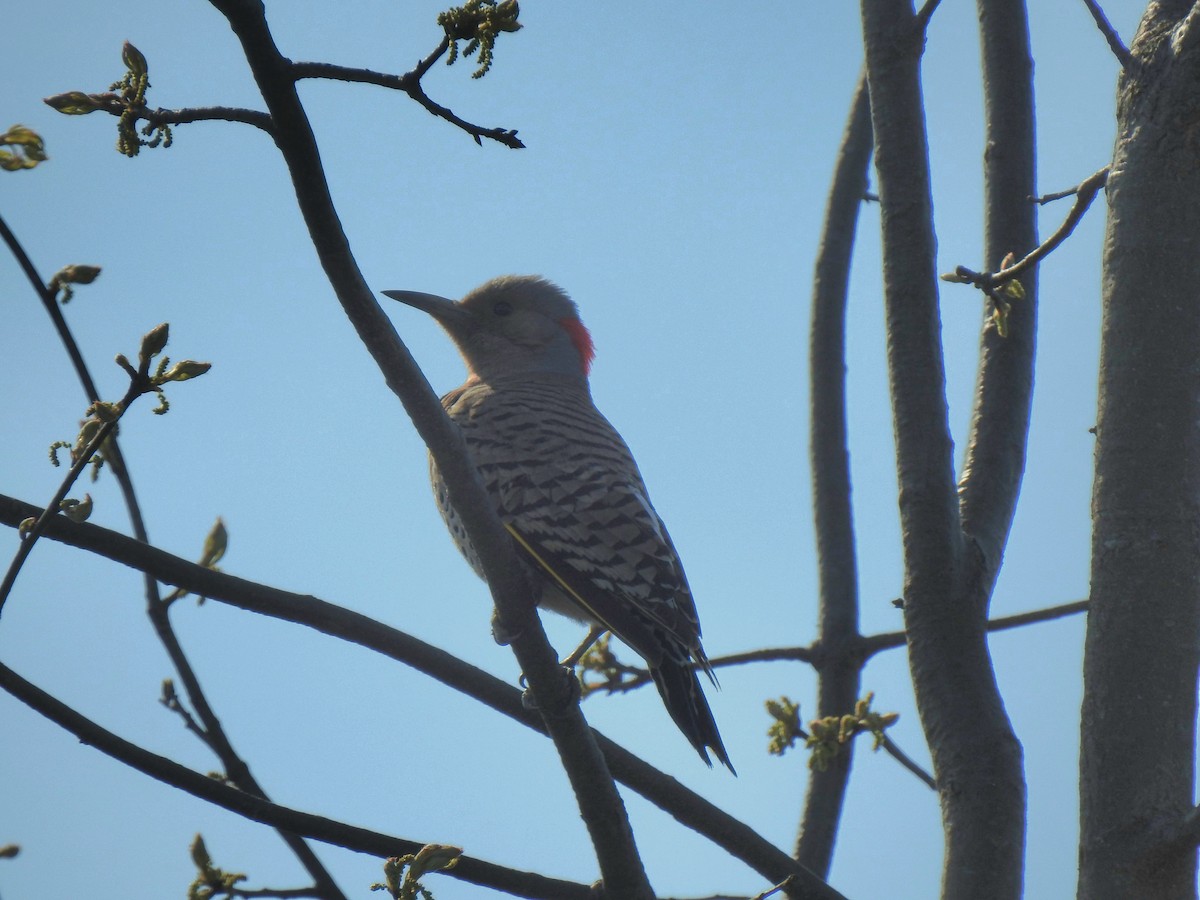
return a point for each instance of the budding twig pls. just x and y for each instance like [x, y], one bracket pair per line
[988, 282]
[102, 421]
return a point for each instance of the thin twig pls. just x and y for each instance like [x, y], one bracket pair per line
[872, 644]
[1085, 193]
[1120, 51]
[52, 509]
[905, 760]
[112, 104]
[410, 84]
[211, 732]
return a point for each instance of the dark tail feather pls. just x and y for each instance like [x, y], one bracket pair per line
[685, 701]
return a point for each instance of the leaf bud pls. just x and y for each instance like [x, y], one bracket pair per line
[154, 342]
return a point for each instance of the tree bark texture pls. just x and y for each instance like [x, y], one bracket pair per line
[976, 756]
[839, 665]
[1142, 647]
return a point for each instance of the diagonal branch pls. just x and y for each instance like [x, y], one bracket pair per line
[521, 884]
[212, 730]
[1085, 192]
[687, 807]
[1120, 51]
[410, 84]
[599, 803]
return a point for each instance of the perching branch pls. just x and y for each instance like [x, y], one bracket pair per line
[687, 807]
[340, 834]
[866, 646]
[599, 803]
[1120, 51]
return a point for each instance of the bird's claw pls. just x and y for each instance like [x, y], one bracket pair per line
[501, 633]
[564, 700]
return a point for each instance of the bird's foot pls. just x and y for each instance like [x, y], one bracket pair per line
[501, 633]
[567, 695]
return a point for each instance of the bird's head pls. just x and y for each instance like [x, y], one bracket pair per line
[512, 325]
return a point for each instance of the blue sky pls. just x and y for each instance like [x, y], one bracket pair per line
[674, 182]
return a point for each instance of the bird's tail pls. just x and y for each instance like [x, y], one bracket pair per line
[685, 701]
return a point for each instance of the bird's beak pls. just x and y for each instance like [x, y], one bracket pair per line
[438, 307]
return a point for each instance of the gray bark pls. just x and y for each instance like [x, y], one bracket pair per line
[1143, 637]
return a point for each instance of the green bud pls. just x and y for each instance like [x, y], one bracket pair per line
[215, 544]
[433, 858]
[26, 526]
[77, 274]
[184, 370]
[200, 854]
[1013, 289]
[154, 342]
[77, 510]
[75, 103]
[28, 149]
[133, 59]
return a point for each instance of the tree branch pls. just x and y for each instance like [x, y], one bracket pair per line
[996, 443]
[1120, 51]
[362, 840]
[839, 667]
[687, 807]
[410, 84]
[1085, 192]
[553, 690]
[212, 732]
[872, 644]
[975, 755]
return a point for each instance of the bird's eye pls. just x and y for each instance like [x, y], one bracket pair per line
[502, 308]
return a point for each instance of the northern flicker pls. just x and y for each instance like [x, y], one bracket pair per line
[565, 484]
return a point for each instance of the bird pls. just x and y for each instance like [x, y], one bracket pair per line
[566, 487]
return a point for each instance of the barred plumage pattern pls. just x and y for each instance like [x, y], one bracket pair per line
[566, 486]
[566, 481]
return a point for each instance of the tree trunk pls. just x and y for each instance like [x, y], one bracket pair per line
[1143, 636]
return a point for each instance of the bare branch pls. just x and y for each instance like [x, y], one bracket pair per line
[330, 831]
[1120, 51]
[889, 747]
[156, 118]
[410, 84]
[1084, 193]
[872, 644]
[212, 733]
[829, 455]
[687, 807]
[970, 737]
[554, 691]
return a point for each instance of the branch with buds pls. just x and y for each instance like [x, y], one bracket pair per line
[94, 432]
[1003, 285]
[478, 22]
